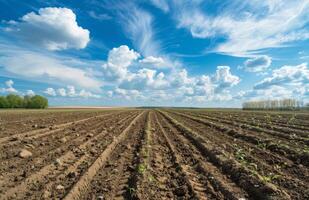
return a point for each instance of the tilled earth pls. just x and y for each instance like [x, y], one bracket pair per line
[154, 154]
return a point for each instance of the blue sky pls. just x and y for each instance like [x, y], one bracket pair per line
[156, 52]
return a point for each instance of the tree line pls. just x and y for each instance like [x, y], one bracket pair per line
[281, 104]
[16, 101]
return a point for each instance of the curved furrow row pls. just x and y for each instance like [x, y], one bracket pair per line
[206, 179]
[263, 130]
[264, 121]
[241, 175]
[33, 183]
[46, 131]
[82, 187]
[281, 149]
[271, 168]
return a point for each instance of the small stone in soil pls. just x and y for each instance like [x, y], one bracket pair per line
[60, 187]
[24, 153]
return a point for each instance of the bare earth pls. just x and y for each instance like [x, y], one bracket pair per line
[153, 154]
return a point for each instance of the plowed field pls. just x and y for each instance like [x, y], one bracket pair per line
[154, 154]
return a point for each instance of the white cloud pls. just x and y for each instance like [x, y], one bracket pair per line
[47, 69]
[224, 78]
[51, 28]
[161, 4]
[50, 92]
[119, 59]
[257, 64]
[151, 61]
[145, 79]
[258, 25]
[286, 76]
[62, 92]
[138, 25]
[100, 16]
[9, 83]
[9, 87]
[127, 94]
[30, 93]
[71, 92]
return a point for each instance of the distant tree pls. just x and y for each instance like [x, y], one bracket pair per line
[14, 101]
[3, 102]
[283, 104]
[27, 101]
[37, 101]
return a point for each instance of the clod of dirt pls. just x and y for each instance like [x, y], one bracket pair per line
[42, 126]
[60, 187]
[24, 153]
[89, 135]
[51, 128]
[14, 138]
[46, 194]
[180, 191]
[58, 162]
[72, 174]
[63, 140]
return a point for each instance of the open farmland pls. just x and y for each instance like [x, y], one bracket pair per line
[154, 154]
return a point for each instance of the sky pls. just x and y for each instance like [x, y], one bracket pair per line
[196, 53]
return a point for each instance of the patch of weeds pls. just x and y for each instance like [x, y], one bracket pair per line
[141, 168]
[240, 155]
[131, 191]
[151, 178]
[261, 145]
[269, 178]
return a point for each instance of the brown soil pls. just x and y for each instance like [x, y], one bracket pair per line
[153, 154]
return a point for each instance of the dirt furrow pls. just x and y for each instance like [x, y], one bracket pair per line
[264, 122]
[159, 174]
[46, 131]
[281, 149]
[272, 168]
[15, 168]
[241, 175]
[83, 185]
[216, 185]
[36, 180]
[262, 130]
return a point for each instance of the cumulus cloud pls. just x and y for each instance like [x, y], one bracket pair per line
[153, 61]
[286, 76]
[48, 69]
[50, 92]
[257, 64]
[30, 93]
[70, 91]
[224, 78]
[51, 28]
[62, 92]
[119, 59]
[9, 87]
[127, 94]
[145, 79]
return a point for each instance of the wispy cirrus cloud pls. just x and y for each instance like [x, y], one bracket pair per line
[138, 25]
[246, 27]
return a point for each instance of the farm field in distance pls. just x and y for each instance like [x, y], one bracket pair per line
[153, 154]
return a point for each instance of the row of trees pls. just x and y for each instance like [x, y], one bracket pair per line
[283, 104]
[16, 101]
